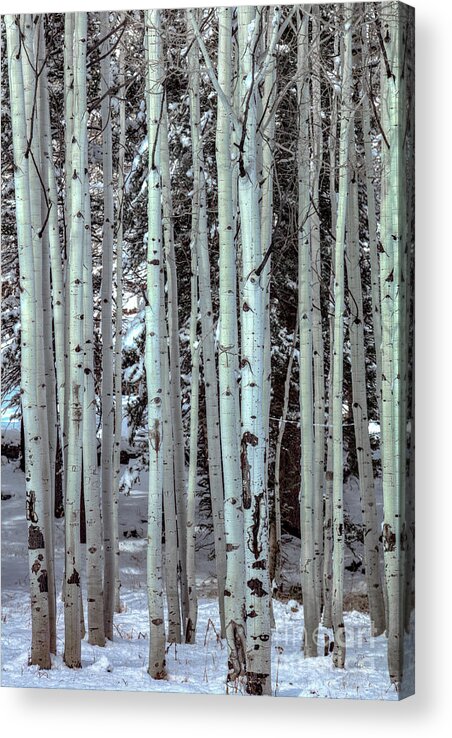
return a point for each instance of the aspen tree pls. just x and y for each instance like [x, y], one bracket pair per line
[267, 122]
[118, 316]
[31, 66]
[360, 417]
[307, 502]
[236, 136]
[392, 258]
[169, 502]
[327, 591]
[328, 515]
[207, 327]
[109, 504]
[195, 347]
[154, 100]
[228, 368]
[266, 135]
[404, 274]
[258, 51]
[56, 266]
[44, 363]
[316, 275]
[69, 20]
[34, 442]
[91, 476]
[72, 595]
[369, 177]
[254, 495]
[174, 360]
[346, 116]
[45, 150]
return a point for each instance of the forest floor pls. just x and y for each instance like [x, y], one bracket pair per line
[199, 668]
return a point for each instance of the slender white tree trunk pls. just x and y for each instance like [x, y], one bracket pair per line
[267, 120]
[307, 501]
[254, 494]
[51, 210]
[174, 358]
[169, 501]
[118, 317]
[91, 476]
[195, 346]
[207, 327]
[154, 99]
[69, 20]
[317, 334]
[369, 176]
[372, 548]
[35, 492]
[72, 600]
[346, 115]
[327, 615]
[109, 504]
[45, 151]
[267, 123]
[44, 363]
[228, 369]
[392, 257]
[328, 516]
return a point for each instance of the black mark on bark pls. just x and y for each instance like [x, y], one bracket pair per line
[74, 578]
[35, 537]
[42, 581]
[256, 587]
[389, 539]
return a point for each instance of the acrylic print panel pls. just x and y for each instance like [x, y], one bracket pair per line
[207, 428]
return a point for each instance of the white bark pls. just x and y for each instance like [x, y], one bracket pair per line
[307, 500]
[195, 345]
[69, 20]
[43, 338]
[72, 599]
[346, 115]
[56, 267]
[317, 335]
[228, 369]
[154, 99]
[109, 504]
[174, 358]
[327, 616]
[45, 151]
[207, 329]
[267, 121]
[267, 124]
[169, 501]
[369, 177]
[372, 547]
[91, 476]
[254, 496]
[118, 316]
[392, 258]
[40, 636]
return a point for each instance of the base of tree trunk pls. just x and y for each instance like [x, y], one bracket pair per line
[339, 647]
[257, 684]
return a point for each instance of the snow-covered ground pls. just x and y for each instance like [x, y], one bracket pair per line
[201, 668]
